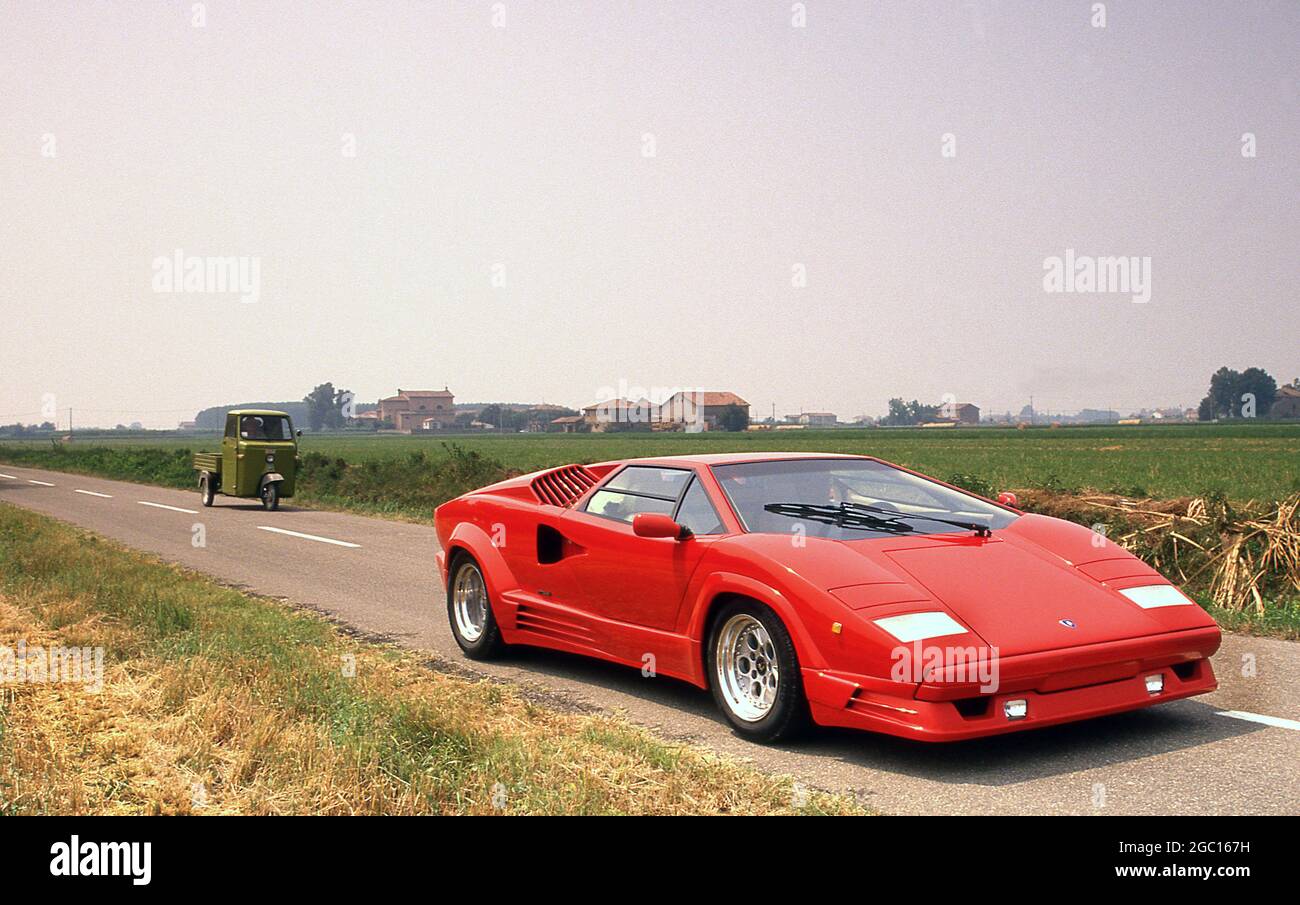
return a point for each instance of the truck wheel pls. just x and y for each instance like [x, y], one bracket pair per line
[271, 495]
[205, 488]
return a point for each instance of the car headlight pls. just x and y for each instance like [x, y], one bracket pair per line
[920, 626]
[1152, 596]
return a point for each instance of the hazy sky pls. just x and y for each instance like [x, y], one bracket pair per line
[649, 181]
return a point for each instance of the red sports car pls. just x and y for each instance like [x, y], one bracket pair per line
[840, 589]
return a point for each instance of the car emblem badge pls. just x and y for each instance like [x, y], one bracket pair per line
[1068, 623]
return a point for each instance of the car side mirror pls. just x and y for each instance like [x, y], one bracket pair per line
[299, 433]
[656, 524]
[1007, 498]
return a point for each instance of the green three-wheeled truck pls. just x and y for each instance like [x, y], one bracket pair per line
[258, 458]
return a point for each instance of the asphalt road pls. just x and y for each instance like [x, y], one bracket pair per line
[1186, 757]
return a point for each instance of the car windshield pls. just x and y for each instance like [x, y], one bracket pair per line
[849, 499]
[264, 427]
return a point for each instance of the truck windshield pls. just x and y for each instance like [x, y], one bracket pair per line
[264, 427]
[849, 499]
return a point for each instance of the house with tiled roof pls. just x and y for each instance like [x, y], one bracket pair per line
[412, 410]
[700, 409]
[620, 415]
[1287, 403]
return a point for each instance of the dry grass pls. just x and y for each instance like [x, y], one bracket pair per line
[217, 702]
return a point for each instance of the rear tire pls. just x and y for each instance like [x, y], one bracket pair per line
[754, 673]
[271, 495]
[469, 609]
[206, 490]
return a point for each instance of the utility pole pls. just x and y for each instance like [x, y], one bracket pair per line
[69, 420]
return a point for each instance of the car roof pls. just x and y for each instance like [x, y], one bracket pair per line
[256, 412]
[734, 458]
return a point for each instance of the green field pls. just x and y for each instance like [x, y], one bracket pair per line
[1255, 461]
[1246, 472]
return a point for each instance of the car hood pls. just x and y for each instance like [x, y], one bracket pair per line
[1038, 584]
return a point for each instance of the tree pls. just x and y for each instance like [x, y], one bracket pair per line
[1233, 394]
[325, 407]
[733, 418]
[897, 412]
[1258, 383]
[913, 412]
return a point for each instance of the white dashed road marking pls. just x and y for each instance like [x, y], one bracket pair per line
[172, 508]
[41, 483]
[106, 496]
[323, 540]
[9, 476]
[1260, 718]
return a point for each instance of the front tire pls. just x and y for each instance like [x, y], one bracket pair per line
[206, 490]
[271, 496]
[469, 608]
[754, 672]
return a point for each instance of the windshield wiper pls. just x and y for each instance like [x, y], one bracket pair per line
[839, 516]
[981, 529]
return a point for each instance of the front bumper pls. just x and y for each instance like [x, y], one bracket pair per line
[1059, 687]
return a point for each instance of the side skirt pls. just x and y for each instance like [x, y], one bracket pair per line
[531, 619]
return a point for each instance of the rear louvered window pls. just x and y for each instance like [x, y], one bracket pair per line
[563, 486]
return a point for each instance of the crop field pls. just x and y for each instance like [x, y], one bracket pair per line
[1215, 507]
[1240, 462]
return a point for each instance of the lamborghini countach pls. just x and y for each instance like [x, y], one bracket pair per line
[832, 589]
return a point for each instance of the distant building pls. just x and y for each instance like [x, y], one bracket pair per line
[702, 408]
[412, 410]
[1096, 416]
[620, 415]
[960, 412]
[681, 411]
[818, 419]
[1287, 404]
[568, 424]
[187, 425]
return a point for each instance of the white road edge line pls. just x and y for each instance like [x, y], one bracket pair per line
[323, 540]
[164, 506]
[106, 496]
[9, 476]
[42, 483]
[1260, 718]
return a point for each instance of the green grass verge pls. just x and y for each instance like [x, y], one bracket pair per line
[1280, 619]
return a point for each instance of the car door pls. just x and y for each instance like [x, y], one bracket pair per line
[230, 456]
[639, 580]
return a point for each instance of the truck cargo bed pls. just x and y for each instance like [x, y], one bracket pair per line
[209, 462]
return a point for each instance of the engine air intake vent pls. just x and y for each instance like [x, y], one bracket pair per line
[562, 486]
